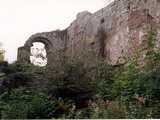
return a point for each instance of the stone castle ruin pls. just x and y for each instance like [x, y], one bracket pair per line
[115, 32]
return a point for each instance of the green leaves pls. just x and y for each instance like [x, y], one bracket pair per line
[25, 103]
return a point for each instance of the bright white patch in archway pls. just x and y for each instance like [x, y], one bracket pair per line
[38, 54]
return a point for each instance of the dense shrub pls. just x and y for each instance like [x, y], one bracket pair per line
[26, 75]
[16, 80]
[73, 81]
[78, 89]
[104, 79]
[25, 103]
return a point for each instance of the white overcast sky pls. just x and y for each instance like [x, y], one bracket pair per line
[19, 19]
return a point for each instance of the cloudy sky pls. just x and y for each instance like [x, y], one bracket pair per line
[19, 19]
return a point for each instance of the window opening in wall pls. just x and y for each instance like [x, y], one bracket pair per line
[38, 55]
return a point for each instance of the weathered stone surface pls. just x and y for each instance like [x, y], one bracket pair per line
[123, 22]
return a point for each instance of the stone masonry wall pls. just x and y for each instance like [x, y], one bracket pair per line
[123, 22]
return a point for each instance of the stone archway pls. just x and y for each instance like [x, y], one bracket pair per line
[24, 52]
[43, 40]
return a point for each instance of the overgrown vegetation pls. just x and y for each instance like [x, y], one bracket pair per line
[81, 88]
[1, 53]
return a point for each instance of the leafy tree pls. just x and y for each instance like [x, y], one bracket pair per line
[1, 53]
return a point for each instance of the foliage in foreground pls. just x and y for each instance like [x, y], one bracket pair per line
[79, 90]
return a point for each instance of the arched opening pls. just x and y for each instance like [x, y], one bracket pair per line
[38, 54]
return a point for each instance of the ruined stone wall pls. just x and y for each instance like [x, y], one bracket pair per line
[123, 23]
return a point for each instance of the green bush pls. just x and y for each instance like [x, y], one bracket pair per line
[26, 75]
[25, 103]
[79, 89]
[103, 77]
[72, 81]
[123, 85]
